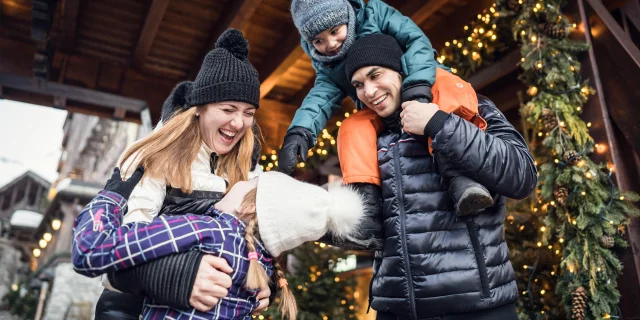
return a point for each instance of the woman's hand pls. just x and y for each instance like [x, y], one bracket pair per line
[263, 297]
[212, 283]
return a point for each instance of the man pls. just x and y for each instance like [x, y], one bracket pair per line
[435, 265]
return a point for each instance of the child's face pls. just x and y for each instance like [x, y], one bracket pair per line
[233, 199]
[329, 42]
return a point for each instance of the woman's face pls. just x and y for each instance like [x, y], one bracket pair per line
[223, 124]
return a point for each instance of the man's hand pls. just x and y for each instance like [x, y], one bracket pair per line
[415, 116]
[212, 283]
[263, 297]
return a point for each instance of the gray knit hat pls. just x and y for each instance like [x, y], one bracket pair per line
[312, 17]
[226, 75]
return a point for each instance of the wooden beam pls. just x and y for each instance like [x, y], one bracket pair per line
[69, 23]
[271, 72]
[236, 16]
[89, 96]
[496, 71]
[149, 31]
[615, 29]
[420, 13]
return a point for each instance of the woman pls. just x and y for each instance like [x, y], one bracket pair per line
[208, 142]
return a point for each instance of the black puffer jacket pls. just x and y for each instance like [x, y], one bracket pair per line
[434, 264]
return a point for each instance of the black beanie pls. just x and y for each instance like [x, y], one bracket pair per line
[226, 75]
[374, 50]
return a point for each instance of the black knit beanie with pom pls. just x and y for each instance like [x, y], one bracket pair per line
[226, 75]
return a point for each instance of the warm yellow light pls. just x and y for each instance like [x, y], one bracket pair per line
[523, 32]
[588, 175]
[561, 240]
[556, 160]
[562, 124]
[543, 228]
[523, 59]
[539, 134]
[338, 123]
[557, 252]
[322, 245]
[621, 197]
[301, 164]
[274, 157]
[539, 65]
[521, 228]
[465, 52]
[447, 43]
[466, 28]
[542, 291]
[578, 108]
[538, 6]
[36, 252]
[56, 224]
[539, 244]
[454, 70]
[469, 39]
[459, 44]
[533, 90]
[481, 30]
[550, 247]
[47, 236]
[599, 269]
[552, 273]
[583, 193]
[337, 279]
[574, 222]
[270, 165]
[572, 68]
[588, 124]
[42, 243]
[494, 26]
[479, 44]
[601, 148]
[534, 38]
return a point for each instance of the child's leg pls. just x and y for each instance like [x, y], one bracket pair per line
[455, 95]
[357, 148]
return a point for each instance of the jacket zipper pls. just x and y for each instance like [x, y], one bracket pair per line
[403, 230]
[477, 250]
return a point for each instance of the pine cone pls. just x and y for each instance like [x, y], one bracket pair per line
[513, 5]
[549, 120]
[572, 157]
[607, 241]
[579, 303]
[561, 194]
[555, 31]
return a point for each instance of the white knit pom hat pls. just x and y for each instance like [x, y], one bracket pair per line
[291, 212]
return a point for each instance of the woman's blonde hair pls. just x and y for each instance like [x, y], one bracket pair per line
[169, 152]
[257, 277]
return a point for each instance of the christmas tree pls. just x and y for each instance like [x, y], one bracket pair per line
[579, 209]
[320, 292]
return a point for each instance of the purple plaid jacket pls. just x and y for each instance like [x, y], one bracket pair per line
[101, 245]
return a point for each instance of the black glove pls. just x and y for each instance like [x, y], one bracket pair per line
[297, 142]
[124, 188]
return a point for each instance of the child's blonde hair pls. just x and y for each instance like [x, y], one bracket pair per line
[257, 277]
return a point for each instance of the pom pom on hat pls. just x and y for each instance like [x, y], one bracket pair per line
[233, 41]
[178, 100]
[345, 210]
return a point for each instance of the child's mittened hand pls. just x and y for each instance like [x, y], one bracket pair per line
[124, 188]
[415, 116]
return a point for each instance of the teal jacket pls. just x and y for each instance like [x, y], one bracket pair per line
[332, 86]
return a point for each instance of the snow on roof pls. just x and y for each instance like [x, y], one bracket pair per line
[25, 219]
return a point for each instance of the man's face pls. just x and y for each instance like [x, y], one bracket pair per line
[378, 88]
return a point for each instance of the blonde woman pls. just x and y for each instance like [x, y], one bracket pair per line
[208, 142]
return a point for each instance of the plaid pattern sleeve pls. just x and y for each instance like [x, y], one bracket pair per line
[102, 244]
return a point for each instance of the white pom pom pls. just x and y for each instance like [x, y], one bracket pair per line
[345, 210]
